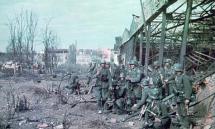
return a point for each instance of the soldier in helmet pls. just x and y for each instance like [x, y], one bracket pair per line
[103, 84]
[120, 103]
[145, 90]
[167, 73]
[111, 95]
[154, 111]
[183, 92]
[132, 79]
[157, 76]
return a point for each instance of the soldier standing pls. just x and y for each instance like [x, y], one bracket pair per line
[168, 72]
[157, 77]
[183, 92]
[103, 84]
[132, 79]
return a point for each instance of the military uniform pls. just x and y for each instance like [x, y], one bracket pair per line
[153, 108]
[103, 83]
[74, 85]
[157, 75]
[156, 78]
[121, 93]
[183, 91]
[145, 91]
[133, 78]
[168, 72]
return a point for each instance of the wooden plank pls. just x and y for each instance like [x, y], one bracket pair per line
[205, 55]
[199, 57]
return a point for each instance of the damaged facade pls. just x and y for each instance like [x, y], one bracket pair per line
[182, 30]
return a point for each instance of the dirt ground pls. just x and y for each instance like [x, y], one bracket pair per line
[51, 107]
[47, 109]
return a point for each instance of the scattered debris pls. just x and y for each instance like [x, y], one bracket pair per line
[131, 123]
[42, 125]
[59, 127]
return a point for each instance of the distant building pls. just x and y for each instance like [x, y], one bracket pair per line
[61, 55]
[72, 54]
[85, 56]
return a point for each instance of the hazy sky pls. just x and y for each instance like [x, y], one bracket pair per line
[93, 23]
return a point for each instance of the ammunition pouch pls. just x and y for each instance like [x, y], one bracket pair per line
[180, 97]
[104, 78]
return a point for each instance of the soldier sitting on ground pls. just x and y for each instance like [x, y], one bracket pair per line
[119, 106]
[154, 111]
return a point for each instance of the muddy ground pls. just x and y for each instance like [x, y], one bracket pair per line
[51, 107]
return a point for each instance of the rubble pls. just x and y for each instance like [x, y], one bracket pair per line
[42, 125]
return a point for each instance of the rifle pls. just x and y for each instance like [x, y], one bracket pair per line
[91, 87]
[168, 97]
[143, 110]
[202, 100]
[130, 116]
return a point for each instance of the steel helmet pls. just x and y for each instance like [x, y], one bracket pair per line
[103, 62]
[178, 67]
[132, 62]
[145, 82]
[156, 63]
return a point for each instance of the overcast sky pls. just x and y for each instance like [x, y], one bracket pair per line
[93, 23]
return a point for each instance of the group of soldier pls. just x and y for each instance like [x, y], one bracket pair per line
[158, 97]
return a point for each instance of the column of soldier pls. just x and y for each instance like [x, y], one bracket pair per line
[164, 94]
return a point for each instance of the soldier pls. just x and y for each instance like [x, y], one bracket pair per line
[156, 77]
[108, 105]
[74, 85]
[145, 90]
[122, 69]
[155, 112]
[132, 79]
[183, 92]
[157, 73]
[103, 84]
[120, 103]
[168, 72]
